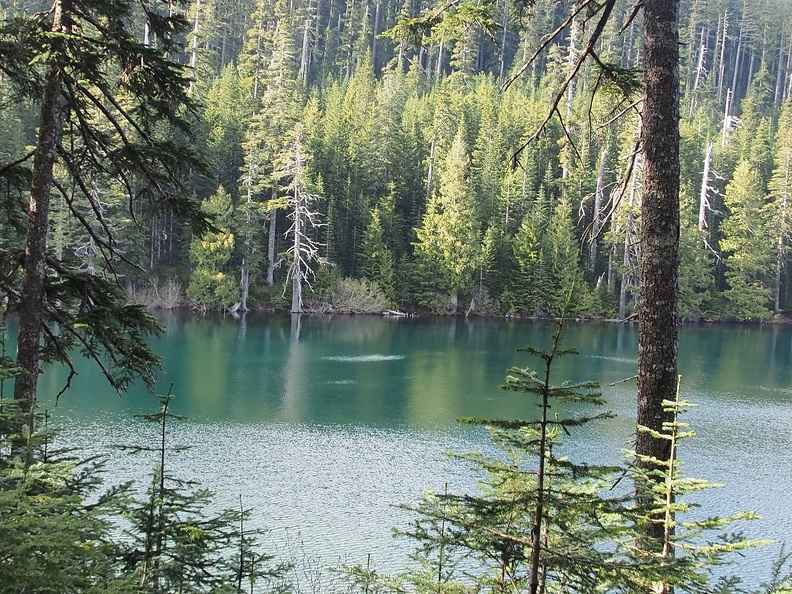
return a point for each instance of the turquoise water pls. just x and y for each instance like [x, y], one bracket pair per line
[323, 424]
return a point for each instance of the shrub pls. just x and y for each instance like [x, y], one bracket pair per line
[352, 296]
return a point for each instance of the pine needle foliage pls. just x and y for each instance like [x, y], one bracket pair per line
[175, 545]
[543, 522]
[55, 519]
[692, 547]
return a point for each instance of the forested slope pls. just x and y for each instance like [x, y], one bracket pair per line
[419, 165]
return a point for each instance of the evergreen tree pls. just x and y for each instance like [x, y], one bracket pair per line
[531, 255]
[567, 287]
[225, 118]
[174, 545]
[212, 282]
[449, 236]
[277, 101]
[780, 201]
[744, 242]
[377, 259]
[696, 271]
[112, 109]
[689, 549]
[56, 522]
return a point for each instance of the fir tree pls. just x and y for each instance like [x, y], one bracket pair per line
[377, 259]
[744, 244]
[113, 109]
[56, 522]
[212, 283]
[449, 236]
[176, 546]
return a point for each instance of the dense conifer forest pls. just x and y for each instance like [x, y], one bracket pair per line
[457, 170]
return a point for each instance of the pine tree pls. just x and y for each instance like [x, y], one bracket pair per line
[56, 520]
[173, 544]
[689, 550]
[530, 251]
[449, 236]
[540, 522]
[376, 258]
[744, 242]
[113, 109]
[225, 119]
[212, 282]
[780, 200]
[696, 270]
[567, 288]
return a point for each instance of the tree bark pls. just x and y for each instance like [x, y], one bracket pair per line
[271, 241]
[596, 224]
[704, 204]
[33, 280]
[657, 310]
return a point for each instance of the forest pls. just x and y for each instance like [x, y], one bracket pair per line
[467, 157]
[464, 169]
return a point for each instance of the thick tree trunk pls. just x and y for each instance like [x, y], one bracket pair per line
[657, 310]
[32, 295]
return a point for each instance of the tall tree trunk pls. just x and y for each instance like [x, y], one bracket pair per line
[788, 86]
[194, 44]
[659, 263]
[305, 52]
[597, 213]
[375, 32]
[502, 52]
[723, 30]
[628, 279]
[701, 70]
[31, 304]
[779, 84]
[704, 204]
[297, 272]
[726, 118]
[271, 243]
[782, 233]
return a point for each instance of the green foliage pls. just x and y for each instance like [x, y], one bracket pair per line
[539, 516]
[56, 523]
[542, 521]
[448, 238]
[696, 277]
[174, 545]
[377, 258]
[212, 282]
[382, 116]
[691, 548]
[744, 242]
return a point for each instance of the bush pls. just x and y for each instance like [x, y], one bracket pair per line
[351, 296]
[168, 295]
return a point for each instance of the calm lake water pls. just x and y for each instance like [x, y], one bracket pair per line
[323, 426]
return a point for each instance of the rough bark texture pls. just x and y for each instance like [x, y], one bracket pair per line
[658, 334]
[32, 294]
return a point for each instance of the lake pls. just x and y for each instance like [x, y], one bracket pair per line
[323, 424]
